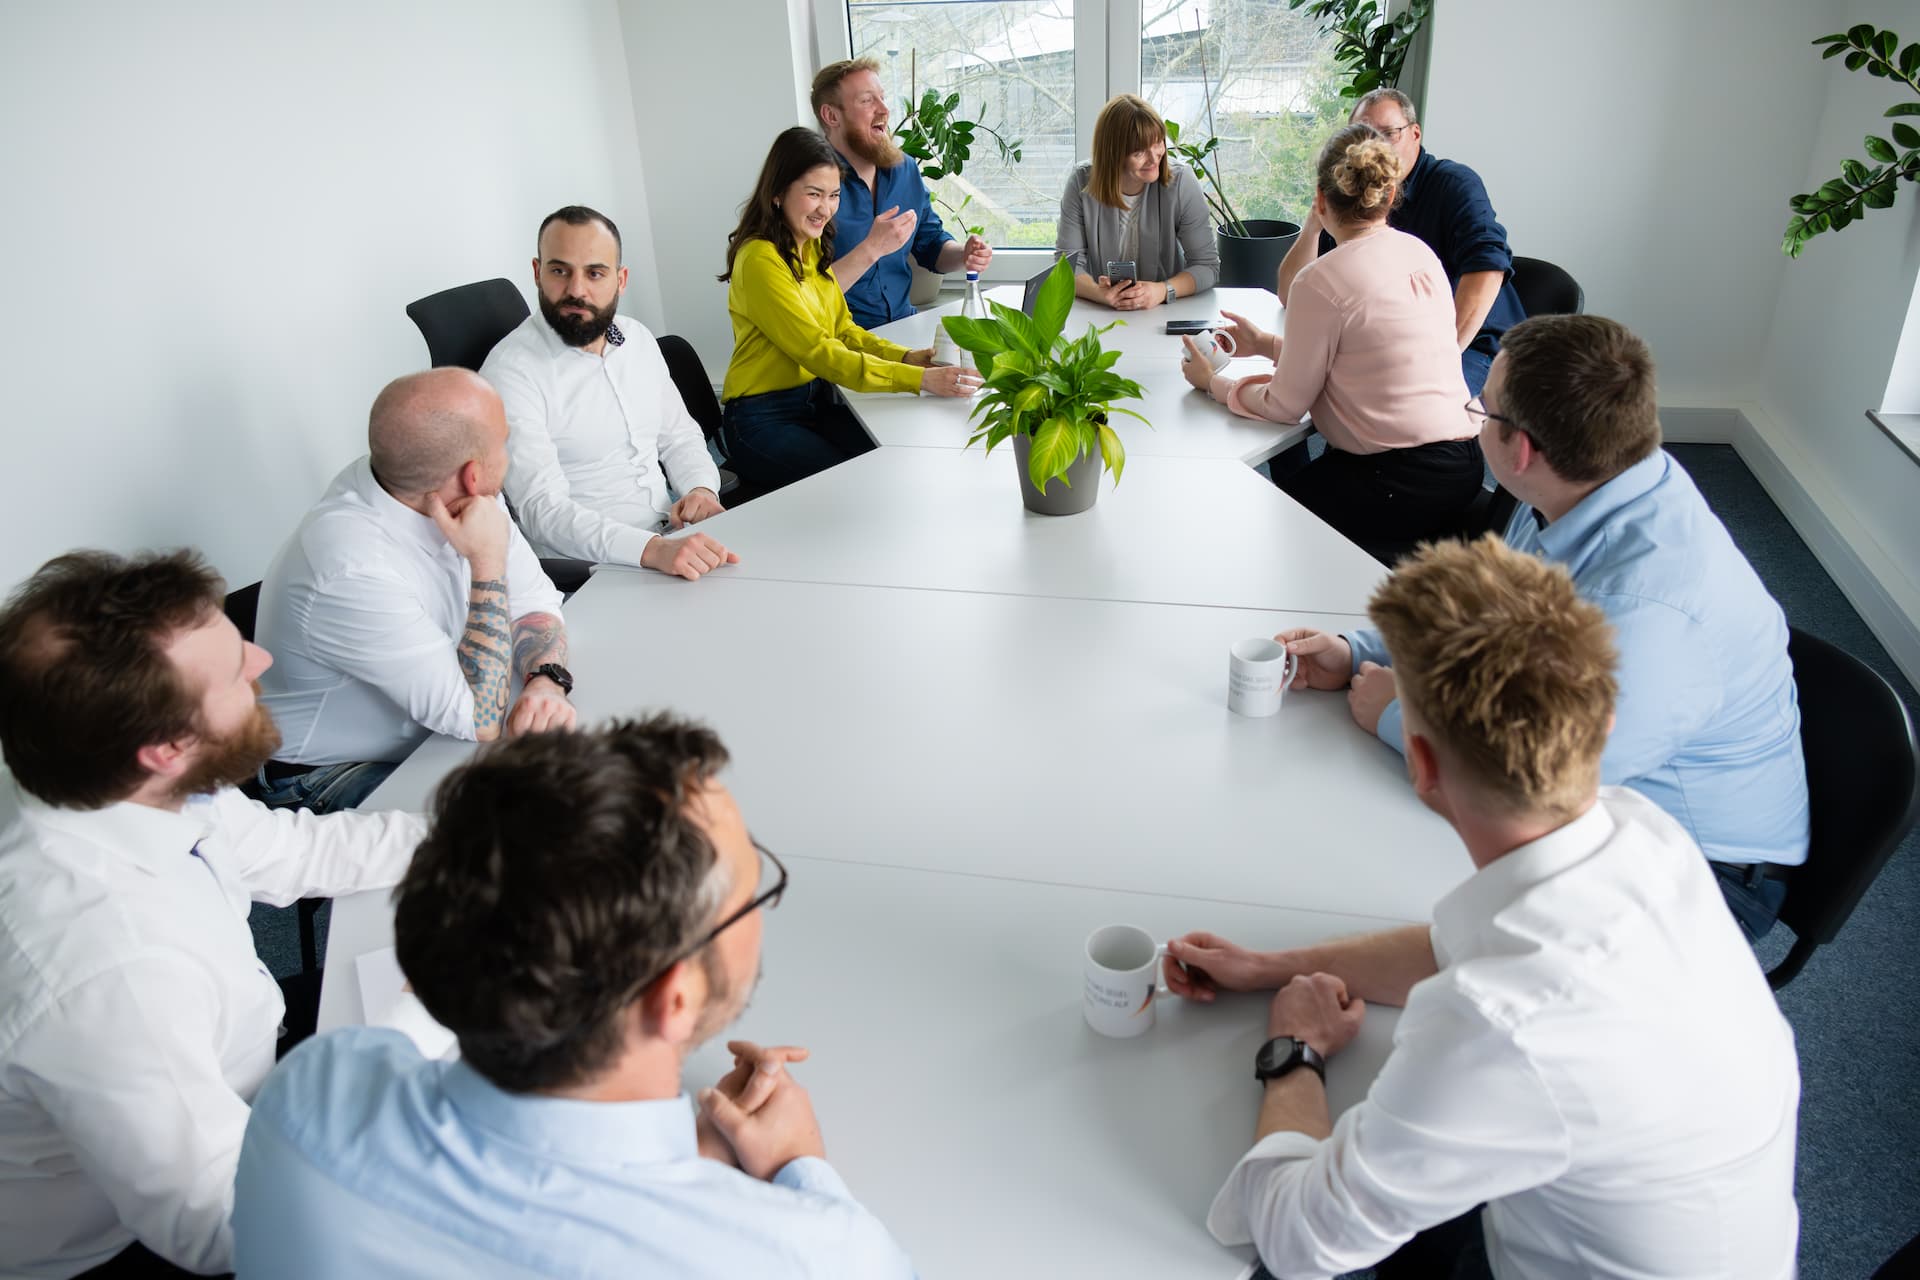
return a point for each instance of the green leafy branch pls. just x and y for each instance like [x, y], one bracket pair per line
[1840, 201]
[1195, 155]
[935, 134]
[1370, 49]
[1058, 391]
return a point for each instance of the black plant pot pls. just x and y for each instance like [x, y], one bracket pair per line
[1252, 261]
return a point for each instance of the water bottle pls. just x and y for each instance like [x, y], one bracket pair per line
[973, 307]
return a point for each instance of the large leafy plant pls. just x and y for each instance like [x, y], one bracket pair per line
[1839, 201]
[1058, 391]
[941, 139]
[1370, 47]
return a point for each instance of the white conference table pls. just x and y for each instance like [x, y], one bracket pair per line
[1186, 423]
[1205, 531]
[976, 735]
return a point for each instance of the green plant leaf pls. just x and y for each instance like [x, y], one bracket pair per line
[1834, 50]
[1856, 60]
[1882, 150]
[1903, 109]
[1860, 35]
[983, 336]
[1026, 334]
[1910, 60]
[1906, 135]
[1854, 172]
[1880, 196]
[1885, 44]
[1112, 452]
[1842, 216]
[1842, 38]
[1055, 446]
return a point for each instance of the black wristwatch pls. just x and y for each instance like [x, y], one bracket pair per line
[556, 673]
[1282, 1054]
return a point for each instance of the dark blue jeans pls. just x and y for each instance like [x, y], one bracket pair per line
[1473, 366]
[325, 788]
[777, 437]
[1752, 895]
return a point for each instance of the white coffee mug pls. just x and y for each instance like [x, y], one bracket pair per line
[1122, 980]
[1258, 673]
[1216, 346]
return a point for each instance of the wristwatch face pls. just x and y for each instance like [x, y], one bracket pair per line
[1277, 1056]
[556, 673]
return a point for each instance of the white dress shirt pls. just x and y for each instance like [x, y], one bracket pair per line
[588, 435]
[136, 1022]
[1599, 1059]
[363, 611]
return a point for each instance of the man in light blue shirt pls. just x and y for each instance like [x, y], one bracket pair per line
[1708, 721]
[585, 910]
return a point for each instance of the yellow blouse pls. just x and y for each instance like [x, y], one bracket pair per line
[787, 332]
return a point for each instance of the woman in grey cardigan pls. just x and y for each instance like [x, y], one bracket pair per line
[1131, 204]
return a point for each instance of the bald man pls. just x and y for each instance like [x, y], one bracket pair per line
[406, 603]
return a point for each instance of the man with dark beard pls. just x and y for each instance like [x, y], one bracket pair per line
[885, 214]
[586, 910]
[136, 1022]
[594, 416]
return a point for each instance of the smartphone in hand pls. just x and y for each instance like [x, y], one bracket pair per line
[1122, 272]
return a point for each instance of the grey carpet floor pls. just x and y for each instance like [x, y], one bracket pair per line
[1855, 1009]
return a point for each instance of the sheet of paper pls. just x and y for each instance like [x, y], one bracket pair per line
[385, 1002]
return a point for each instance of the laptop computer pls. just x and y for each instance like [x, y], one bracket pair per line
[1031, 298]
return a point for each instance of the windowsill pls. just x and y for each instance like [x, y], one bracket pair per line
[1901, 428]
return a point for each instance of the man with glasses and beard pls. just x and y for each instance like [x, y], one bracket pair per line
[886, 216]
[136, 1021]
[600, 439]
[585, 911]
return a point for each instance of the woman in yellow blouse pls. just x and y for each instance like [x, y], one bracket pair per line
[793, 339]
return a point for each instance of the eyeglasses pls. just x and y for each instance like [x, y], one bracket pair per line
[1393, 134]
[1478, 412]
[768, 898]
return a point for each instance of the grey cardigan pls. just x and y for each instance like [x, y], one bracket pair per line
[1175, 232]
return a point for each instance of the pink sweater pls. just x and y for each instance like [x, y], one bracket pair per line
[1369, 351]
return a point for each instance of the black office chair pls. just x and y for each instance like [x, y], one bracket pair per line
[1547, 290]
[696, 389]
[242, 607]
[462, 325]
[1863, 787]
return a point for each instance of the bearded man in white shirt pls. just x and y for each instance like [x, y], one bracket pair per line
[1588, 1050]
[406, 603]
[600, 439]
[136, 1022]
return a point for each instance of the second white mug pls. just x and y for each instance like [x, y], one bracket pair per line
[1258, 673]
[1122, 980]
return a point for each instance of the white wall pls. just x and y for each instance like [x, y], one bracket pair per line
[712, 83]
[1835, 330]
[218, 212]
[1647, 146]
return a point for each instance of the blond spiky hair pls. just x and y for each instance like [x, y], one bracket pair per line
[1506, 668]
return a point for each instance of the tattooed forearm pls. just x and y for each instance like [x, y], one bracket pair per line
[483, 655]
[538, 638]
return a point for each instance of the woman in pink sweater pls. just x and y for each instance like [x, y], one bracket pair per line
[1370, 352]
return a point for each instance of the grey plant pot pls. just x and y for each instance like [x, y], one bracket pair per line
[1081, 488]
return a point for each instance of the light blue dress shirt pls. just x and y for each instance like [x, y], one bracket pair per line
[1707, 723]
[364, 1159]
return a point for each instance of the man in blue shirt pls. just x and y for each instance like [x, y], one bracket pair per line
[1708, 721]
[886, 220]
[1444, 203]
[585, 910]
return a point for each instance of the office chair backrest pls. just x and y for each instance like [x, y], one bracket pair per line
[462, 325]
[690, 376]
[1547, 290]
[1863, 787]
[243, 608]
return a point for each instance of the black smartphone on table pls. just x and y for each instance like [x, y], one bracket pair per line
[1192, 326]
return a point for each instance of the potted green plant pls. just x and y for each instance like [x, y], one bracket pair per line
[1054, 397]
[936, 135]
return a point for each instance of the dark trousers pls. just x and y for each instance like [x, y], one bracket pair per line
[1387, 501]
[777, 437]
[1454, 1250]
[136, 1262]
[1752, 894]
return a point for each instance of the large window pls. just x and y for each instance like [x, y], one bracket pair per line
[1039, 70]
[1012, 65]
